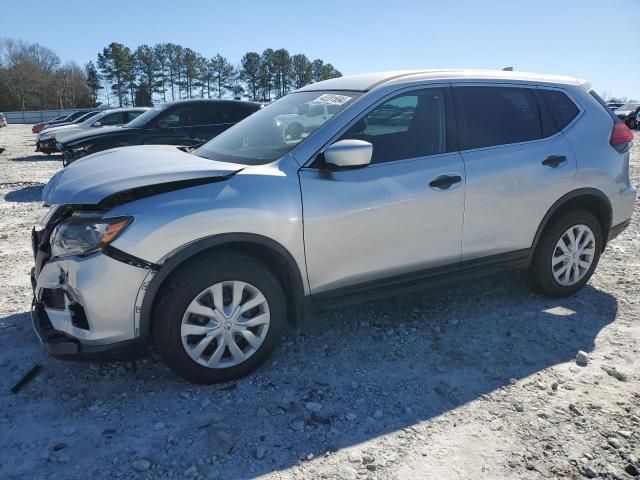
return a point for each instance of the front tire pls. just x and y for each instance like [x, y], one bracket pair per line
[219, 318]
[567, 254]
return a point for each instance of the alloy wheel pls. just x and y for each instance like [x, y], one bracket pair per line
[225, 324]
[573, 255]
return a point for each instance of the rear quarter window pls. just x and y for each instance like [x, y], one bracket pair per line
[562, 108]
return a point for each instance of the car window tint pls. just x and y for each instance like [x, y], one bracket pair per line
[180, 117]
[213, 113]
[133, 115]
[498, 116]
[560, 105]
[407, 126]
[116, 118]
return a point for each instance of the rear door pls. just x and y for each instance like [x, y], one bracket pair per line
[517, 162]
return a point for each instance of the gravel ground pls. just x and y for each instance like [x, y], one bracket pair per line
[477, 381]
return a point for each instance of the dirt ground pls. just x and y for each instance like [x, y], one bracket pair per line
[474, 381]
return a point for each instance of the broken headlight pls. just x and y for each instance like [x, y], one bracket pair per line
[82, 234]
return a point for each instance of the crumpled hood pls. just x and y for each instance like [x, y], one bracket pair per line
[94, 178]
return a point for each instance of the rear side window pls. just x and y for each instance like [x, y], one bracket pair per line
[494, 116]
[561, 107]
[117, 118]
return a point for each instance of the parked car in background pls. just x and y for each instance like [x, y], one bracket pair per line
[209, 253]
[614, 105]
[185, 122]
[60, 120]
[628, 113]
[3, 120]
[47, 140]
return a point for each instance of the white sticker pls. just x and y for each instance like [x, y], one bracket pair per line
[332, 99]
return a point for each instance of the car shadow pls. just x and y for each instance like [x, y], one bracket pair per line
[38, 158]
[367, 370]
[30, 193]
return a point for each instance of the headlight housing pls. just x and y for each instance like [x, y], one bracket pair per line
[84, 234]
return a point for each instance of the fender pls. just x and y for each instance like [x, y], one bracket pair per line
[294, 294]
[562, 201]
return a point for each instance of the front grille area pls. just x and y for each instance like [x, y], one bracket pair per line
[78, 317]
[53, 298]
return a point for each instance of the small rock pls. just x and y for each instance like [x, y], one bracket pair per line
[575, 410]
[205, 403]
[297, 425]
[582, 359]
[377, 414]
[185, 395]
[313, 406]
[355, 457]
[69, 431]
[614, 442]
[191, 472]
[589, 472]
[159, 426]
[346, 472]
[367, 458]
[260, 452]
[632, 470]
[624, 433]
[554, 386]
[141, 465]
[351, 416]
[3, 236]
[617, 374]
[59, 446]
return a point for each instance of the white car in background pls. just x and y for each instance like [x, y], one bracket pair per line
[3, 120]
[46, 141]
[309, 116]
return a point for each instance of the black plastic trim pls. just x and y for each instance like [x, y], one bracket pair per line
[420, 280]
[566, 198]
[129, 259]
[295, 297]
[618, 229]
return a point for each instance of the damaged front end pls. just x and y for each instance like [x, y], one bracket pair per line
[84, 288]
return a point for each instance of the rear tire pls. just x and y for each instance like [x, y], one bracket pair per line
[208, 285]
[561, 266]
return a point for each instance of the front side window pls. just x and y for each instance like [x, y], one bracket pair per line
[179, 117]
[117, 118]
[407, 126]
[497, 116]
[275, 130]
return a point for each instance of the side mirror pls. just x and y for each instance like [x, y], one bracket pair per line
[163, 125]
[97, 124]
[349, 154]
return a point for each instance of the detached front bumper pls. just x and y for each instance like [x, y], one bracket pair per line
[84, 307]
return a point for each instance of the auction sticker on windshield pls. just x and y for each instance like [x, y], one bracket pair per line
[332, 99]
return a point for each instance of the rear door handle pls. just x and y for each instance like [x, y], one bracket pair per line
[443, 182]
[554, 161]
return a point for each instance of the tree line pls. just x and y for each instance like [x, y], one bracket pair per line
[32, 77]
[167, 71]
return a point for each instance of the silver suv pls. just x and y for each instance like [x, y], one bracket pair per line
[415, 178]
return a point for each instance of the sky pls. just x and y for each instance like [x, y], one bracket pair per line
[598, 40]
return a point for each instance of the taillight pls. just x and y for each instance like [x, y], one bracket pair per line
[621, 135]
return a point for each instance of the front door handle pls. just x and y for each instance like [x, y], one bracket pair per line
[443, 182]
[554, 161]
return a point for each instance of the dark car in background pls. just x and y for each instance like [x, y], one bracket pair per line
[628, 113]
[60, 120]
[47, 140]
[183, 123]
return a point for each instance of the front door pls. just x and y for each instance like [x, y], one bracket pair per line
[401, 214]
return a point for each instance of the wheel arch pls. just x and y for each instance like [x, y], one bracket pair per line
[590, 199]
[276, 257]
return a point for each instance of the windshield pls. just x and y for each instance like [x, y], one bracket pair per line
[273, 131]
[86, 116]
[141, 120]
[629, 106]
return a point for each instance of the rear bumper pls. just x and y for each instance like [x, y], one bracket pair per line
[60, 345]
